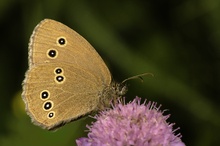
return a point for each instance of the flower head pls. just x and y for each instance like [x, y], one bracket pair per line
[132, 124]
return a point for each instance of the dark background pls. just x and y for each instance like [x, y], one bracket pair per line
[177, 41]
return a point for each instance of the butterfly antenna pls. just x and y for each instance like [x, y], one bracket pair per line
[138, 76]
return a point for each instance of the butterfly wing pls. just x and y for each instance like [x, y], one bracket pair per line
[76, 50]
[65, 78]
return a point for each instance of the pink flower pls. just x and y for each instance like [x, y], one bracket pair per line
[132, 124]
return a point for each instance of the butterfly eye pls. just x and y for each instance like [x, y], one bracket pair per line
[61, 41]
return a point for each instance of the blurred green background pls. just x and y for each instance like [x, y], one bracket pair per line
[177, 41]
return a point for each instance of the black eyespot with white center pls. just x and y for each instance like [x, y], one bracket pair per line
[58, 70]
[45, 94]
[48, 105]
[59, 78]
[62, 41]
[51, 115]
[52, 53]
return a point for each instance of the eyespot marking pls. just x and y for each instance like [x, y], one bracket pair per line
[48, 105]
[52, 53]
[58, 70]
[60, 79]
[61, 41]
[45, 94]
[51, 115]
